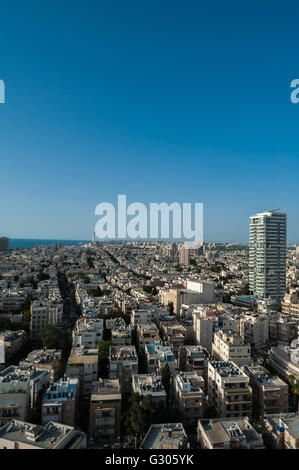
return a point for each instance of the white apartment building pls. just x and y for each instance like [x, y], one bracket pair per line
[88, 332]
[204, 322]
[267, 255]
[149, 384]
[188, 390]
[228, 346]
[19, 389]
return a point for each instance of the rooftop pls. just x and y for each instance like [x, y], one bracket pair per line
[161, 436]
[49, 436]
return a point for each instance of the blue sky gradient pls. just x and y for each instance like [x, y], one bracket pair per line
[158, 100]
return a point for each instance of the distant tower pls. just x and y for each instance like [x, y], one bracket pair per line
[184, 256]
[267, 255]
[93, 239]
[4, 244]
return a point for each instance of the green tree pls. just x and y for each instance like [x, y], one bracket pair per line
[166, 380]
[103, 348]
[50, 338]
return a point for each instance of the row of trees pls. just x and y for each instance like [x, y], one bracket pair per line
[140, 413]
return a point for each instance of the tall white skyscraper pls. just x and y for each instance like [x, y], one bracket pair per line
[267, 255]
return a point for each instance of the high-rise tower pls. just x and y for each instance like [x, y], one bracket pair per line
[267, 255]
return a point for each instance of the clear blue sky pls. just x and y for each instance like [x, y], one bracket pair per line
[160, 100]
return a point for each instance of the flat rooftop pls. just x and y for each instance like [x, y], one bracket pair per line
[161, 436]
[45, 437]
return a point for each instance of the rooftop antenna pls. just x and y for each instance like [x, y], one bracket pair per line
[274, 210]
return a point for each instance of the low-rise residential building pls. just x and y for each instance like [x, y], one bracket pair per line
[228, 433]
[147, 333]
[149, 384]
[45, 314]
[175, 334]
[229, 346]
[19, 389]
[141, 316]
[123, 363]
[229, 392]
[158, 355]
[49, 359]
[284, 363]
[270, 394]
[121, 335]
[282, 330]
[17, 434]
[88, 332]
[60, 402]
[204, 323]
[284, 429]
[165, 436]
[12, 341]
[290, 304]
[83, 364]
[194, 358]
[105, 409]
[254, 329]
[189, 395]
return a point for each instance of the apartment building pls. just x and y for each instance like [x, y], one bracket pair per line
[19, 390]
[165, 436]
[49, 359]
[228, 346]
[204, 324]
[284, 429]
[12, 303]
[159, 354]
[228, 433]
[60, 402]
[141, 316]
[121, 335]
[17, 434]
[188, 390]
[175, 334]
[184, 256]
[196, 292]
[105, 409]
[254, 328]
[194, 358]
[270, 394]
[284, 362]
[123, 363]
[282, 330]
[147, 333]
[83, 364]
[12, 342]
[267, 255]
[229, 392]
[4, 244]
[88, 332]
[44, 314]
[290, 304]
[149, 384]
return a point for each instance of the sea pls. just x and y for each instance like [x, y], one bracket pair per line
[33, 242]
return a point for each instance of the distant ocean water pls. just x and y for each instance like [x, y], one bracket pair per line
[33, 242]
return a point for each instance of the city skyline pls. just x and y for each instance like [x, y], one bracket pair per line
[160, 102]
